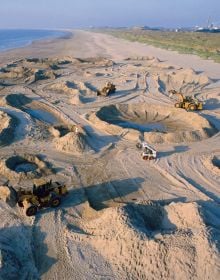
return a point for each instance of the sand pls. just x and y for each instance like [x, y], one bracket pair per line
[124, 218]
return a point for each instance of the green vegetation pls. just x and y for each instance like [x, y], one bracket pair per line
[206, 45]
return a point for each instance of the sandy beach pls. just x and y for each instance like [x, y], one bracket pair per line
[124, 217]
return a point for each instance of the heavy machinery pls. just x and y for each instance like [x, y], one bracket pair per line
[108, 89]
[148, 153]
[186, 102]
[44, 195]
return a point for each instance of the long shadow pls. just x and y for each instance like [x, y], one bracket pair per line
[214, 121]
[18, 100]
[42, 262]
[149, 219]
[99, 196]
[7, 135]
[212, 104]
[177, 149]
[216, 161]
[211, 195]
[210, 213]
[18, 254]
[164, 202]
[98, 142]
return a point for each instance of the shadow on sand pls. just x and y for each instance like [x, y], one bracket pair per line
[19, 255]
[177, 149]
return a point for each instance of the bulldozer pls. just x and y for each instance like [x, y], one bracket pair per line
[186, 102]
[108, 89]
[47, 194]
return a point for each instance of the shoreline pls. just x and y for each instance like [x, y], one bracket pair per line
[65, 35]
[83, 44]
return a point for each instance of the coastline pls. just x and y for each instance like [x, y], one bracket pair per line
[12, 53]
[84, 44]
[25, 42]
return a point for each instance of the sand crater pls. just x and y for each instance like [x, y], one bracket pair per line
[24, 167]
[157, 124]
[216, 161]
[20, 164]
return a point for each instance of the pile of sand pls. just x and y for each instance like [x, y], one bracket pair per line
[38, 110]
[16, 72]
[5, 193]
[26, 73]
[24, 167]
[157, 124]
[97, 61]
[144, 241]
[84, 93]
[8, 195]
[183, 80]
[7, 128]
[212, 163]
[63, 87]
[80, 92]
[140, 58]
[4, 121]
[70, 139]
[43, 75]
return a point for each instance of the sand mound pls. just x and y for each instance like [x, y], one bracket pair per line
[146, 241]
[16, 72]
[64, 87]
[16, 256]
[70, 140]
[79, 92]
[140, 58]
[24, 167]
[8, 195]
[7, 128]
[60, 130]
[26, 74]
[184, 80]
[37, 110]
[44, 75]
[4, 121]
[156, 123]
[212, 163]
[97, 61]
[216, 161]
[83, 93]
[4, 193]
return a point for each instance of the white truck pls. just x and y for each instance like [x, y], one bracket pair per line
[148, 153]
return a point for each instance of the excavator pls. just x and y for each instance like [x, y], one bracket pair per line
[186, 102]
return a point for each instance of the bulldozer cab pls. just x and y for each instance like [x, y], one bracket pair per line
[41, 191]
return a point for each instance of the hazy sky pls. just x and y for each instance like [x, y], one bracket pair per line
[74, 13]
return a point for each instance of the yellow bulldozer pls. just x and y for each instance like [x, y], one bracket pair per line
[186, 102]
[108, 89]
[47, 194]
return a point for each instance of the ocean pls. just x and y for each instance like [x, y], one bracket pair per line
[11, 39]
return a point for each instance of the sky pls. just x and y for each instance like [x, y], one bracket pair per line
[85, 13]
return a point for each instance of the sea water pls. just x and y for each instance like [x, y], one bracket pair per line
[10, 39]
